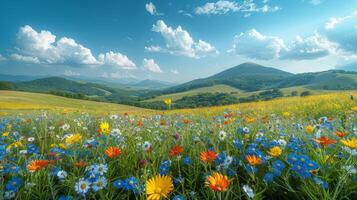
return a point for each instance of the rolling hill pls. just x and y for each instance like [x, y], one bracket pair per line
[245, 82]
[246, 76]
[26, 101]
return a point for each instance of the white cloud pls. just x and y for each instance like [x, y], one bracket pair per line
[311, 47]
[184, 13]
[22, 58]
[224, 6]
[71, 73]
[153, 48]
[179, 41]
[341, 30]
[151, 8]
[255, 45]
[2, 58]
[116, 60]
[150, 65]
[333, 22]
[42, 47]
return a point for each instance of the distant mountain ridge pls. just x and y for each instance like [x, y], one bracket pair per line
[246, 78]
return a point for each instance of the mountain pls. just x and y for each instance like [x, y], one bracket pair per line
[62, 86]
[151, 84]
[246, 76]
[326, 80]
[17, 78]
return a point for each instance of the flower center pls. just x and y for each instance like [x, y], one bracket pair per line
[158, 190]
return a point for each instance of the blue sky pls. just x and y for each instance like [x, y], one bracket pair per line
[174, 41]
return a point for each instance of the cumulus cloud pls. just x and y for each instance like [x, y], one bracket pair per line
[179, 41]
[153, 48]
[42, 47]
[254, 44]
[311, 47]
[22, 58]
[150, 65]
[342, 31]
[116, 60]
[224, 6]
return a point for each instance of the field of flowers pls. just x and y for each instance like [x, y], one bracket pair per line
[292, 148]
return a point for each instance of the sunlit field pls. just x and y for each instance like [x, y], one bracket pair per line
[290, 148]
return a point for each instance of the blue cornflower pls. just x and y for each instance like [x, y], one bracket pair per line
[65, 198]
[14, 184]
[119, 184]
[238, 144]
[131, 184]
[178, 197]
[187, 160]
[268, 177]
[99, 184]
[31, 148]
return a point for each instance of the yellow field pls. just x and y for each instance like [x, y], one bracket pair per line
[11, 101]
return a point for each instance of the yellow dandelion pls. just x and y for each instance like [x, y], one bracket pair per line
[104, 128]
[74, 138]
[275, 151]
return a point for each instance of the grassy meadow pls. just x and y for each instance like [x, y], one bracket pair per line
[290, 148]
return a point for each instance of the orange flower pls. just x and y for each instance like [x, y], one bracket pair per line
[37, 165]
[228, 115]
[208, 156]
[80, 164]
[340, 134]
[162, 122]
[253, 160]
[249, 120]
[176, 150]
[186, 121]
[112, 152]
[325, 141]
[218, 182]
[139, 123]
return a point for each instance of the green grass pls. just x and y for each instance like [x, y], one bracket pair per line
[13, 100]
[211, 89]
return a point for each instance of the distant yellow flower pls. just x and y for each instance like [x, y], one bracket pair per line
[275, 151]
[52, 145]
[62, 145]
[74, 138]
[104, 128]
[15, 144]
[158, 187]
[351, 143]
[9, 126]
[309, 129]
[168, 101]
[286, 114]
[249, 120]
[354, 108]
[5, 134]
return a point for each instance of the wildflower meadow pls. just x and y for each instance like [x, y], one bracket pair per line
[293, 148]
